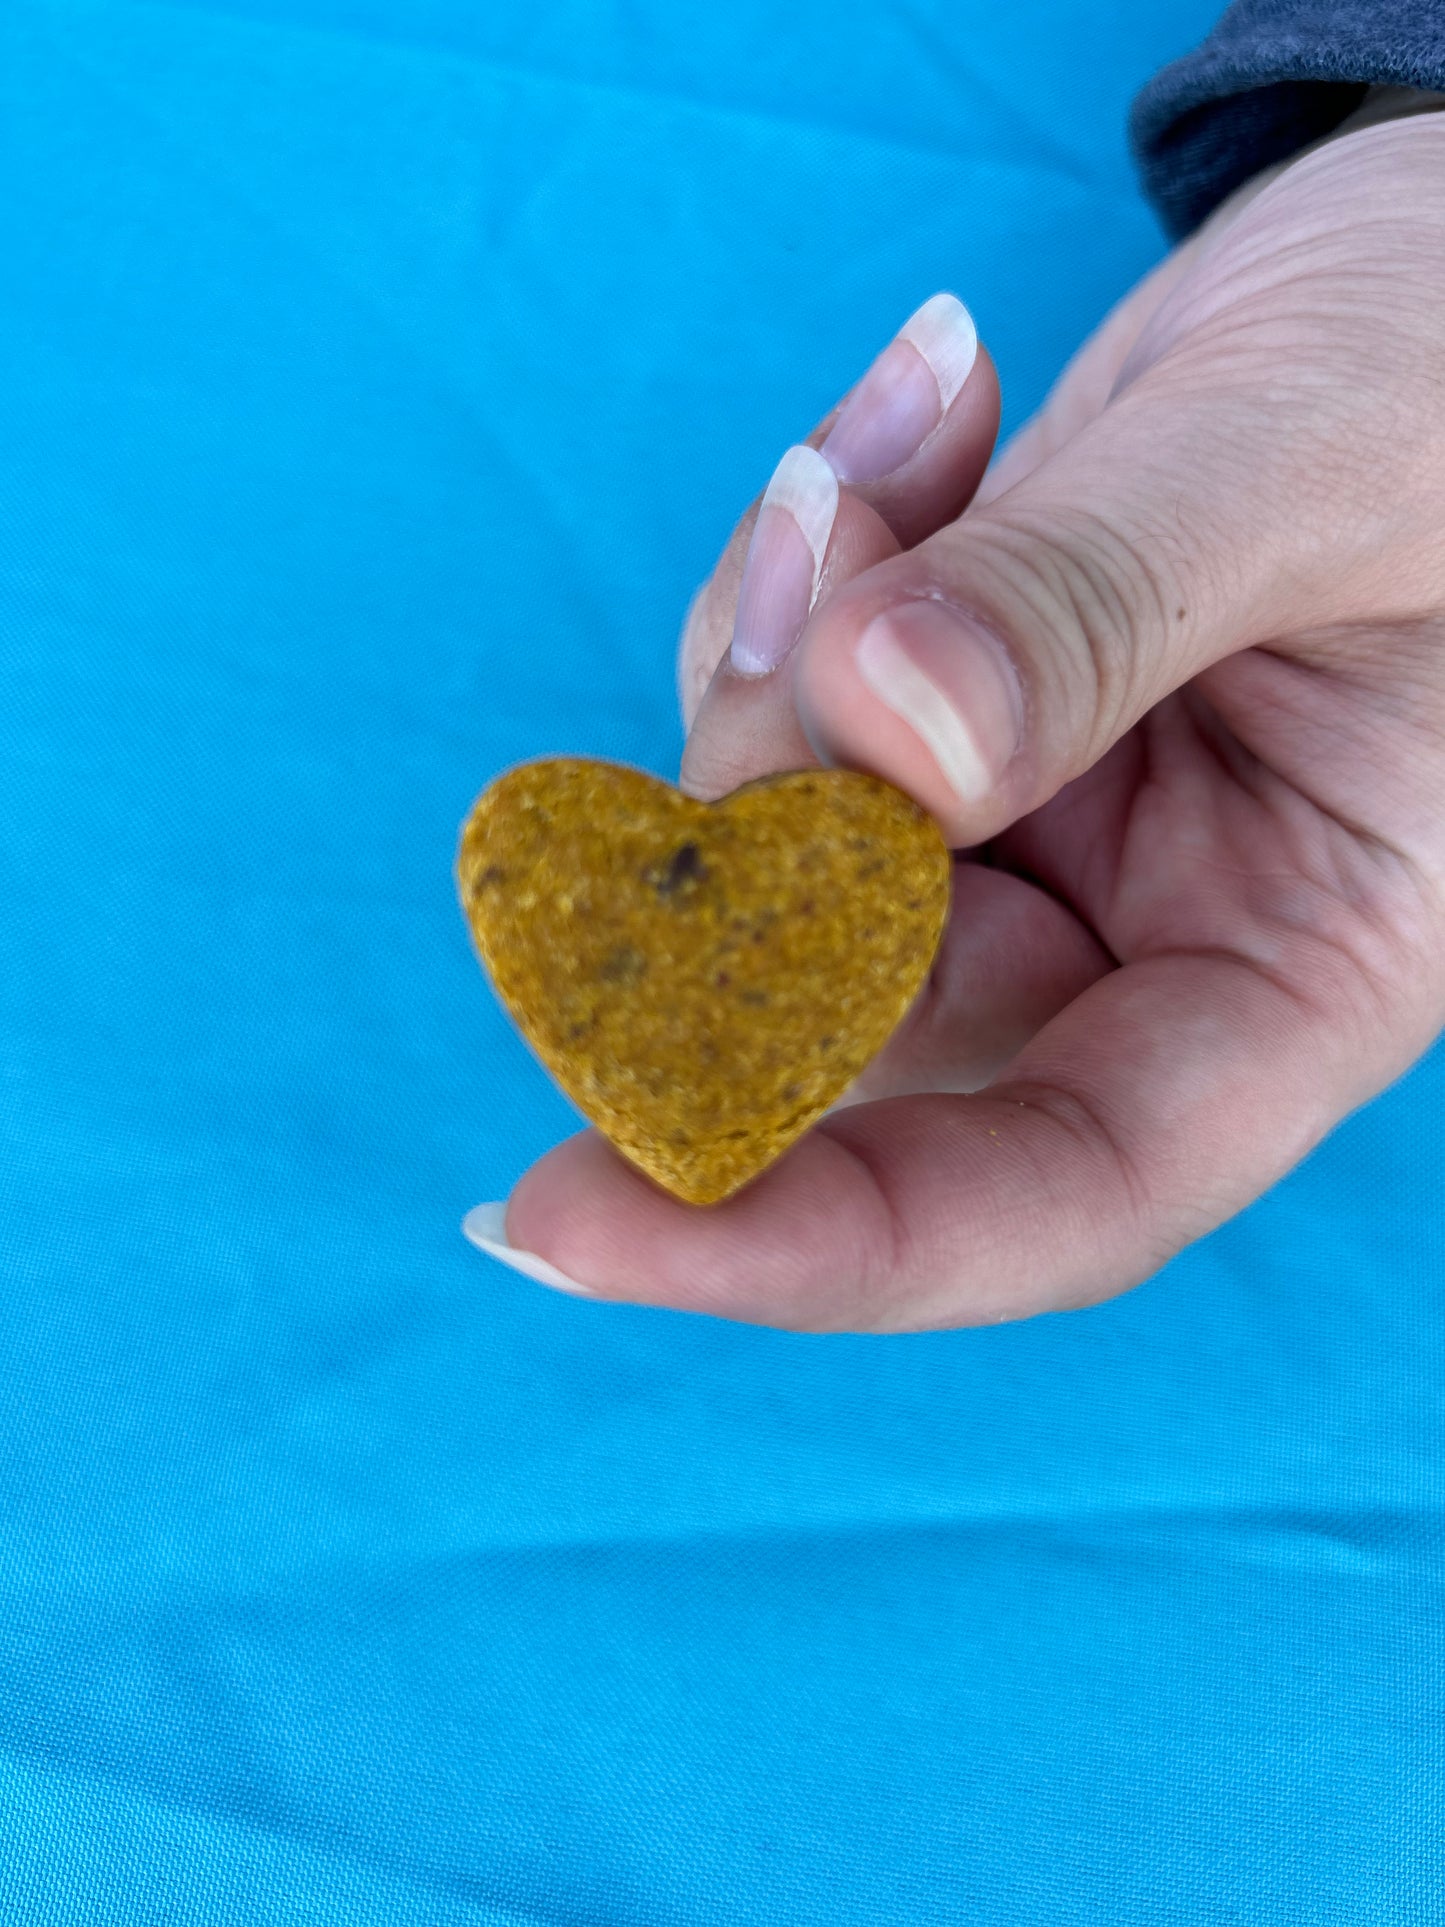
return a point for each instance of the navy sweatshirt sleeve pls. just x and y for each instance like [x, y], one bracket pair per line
[1273, 76]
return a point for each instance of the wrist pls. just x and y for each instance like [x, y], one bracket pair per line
[1381, 104]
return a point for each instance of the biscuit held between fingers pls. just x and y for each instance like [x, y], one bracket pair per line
[702, 979]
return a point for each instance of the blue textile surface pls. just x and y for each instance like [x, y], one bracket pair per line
[375, 382]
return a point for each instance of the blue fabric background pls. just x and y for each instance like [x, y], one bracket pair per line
[375, 382]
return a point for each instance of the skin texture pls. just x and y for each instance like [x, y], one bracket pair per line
[1201, 915]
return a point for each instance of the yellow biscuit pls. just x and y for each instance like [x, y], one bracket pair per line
[702, 979]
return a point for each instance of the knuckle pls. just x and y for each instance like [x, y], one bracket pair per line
[1090, 607]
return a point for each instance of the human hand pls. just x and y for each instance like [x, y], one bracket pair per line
[1175, 685]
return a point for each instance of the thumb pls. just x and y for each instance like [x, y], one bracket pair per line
[991, 665]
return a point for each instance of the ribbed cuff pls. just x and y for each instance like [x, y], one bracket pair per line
[1274, 76]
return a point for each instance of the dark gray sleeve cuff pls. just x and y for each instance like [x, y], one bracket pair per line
[1272, 77]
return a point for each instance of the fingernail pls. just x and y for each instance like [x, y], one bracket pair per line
[953, 685]
[784, 561]
[905, 394]
[486, 1226]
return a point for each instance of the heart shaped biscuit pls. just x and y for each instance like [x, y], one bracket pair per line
[702, 979]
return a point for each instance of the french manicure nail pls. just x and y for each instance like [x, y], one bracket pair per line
[784, 561]
[905, 394]
[954, 686]
[486, 1226]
